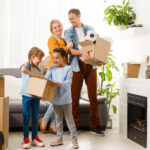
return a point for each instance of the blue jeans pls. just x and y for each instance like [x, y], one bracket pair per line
[49, 115]
[30, 104]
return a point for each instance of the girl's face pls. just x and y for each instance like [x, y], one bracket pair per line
[36, 60]
[57, 29]
[58, 59]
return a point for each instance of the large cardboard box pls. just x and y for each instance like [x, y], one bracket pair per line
[99, 51]
[41, 87]
[131, 69]
[4, 119]
[2, 84]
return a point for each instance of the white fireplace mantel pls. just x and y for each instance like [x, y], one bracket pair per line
[134, 86]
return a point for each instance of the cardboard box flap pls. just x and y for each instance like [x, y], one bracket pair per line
[37, 76]
[132, 62]
[102, 49]
[2, 86]
[103, 43]
[47, 93]
[85, 43]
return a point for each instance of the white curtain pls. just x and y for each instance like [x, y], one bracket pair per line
[25, 23]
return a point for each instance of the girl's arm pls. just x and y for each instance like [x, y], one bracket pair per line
[48, 75]
[24, 69]
[68, 80]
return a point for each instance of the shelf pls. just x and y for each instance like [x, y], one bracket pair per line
[132, 31]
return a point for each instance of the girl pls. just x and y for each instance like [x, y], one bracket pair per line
[62, 102]
[35, 56]
[55, 41]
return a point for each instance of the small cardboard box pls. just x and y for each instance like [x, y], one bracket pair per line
[41, 87]
[2, 81]
[4, 119]
[99, 51]
[131, 69]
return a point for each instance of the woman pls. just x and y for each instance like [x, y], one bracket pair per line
[55, 41]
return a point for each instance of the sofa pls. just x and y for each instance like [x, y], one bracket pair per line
[12, 88]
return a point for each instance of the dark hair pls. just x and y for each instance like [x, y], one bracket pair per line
[35, 51]
[74, 11]
[61, 51]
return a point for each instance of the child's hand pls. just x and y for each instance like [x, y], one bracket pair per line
[24, 69]
[58, 83]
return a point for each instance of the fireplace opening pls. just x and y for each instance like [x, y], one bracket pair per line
[137, 119]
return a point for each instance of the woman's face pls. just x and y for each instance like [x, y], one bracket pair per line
[57, 29]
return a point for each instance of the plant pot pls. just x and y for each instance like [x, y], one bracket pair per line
[122, 27]
[109, 123]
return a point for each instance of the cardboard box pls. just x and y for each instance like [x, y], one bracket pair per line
[4, 119]
[2, 84]
[131, 69]
[41, 87]
[99, 51]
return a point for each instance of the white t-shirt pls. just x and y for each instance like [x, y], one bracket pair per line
[80, 34]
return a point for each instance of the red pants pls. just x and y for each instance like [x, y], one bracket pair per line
[90, 76]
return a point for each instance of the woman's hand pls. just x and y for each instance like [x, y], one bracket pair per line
[69, 44]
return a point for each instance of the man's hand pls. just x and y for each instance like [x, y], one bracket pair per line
[85, 54]
[100, 64]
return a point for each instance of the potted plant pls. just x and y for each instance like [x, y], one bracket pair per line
[107, 86]
[120, 15]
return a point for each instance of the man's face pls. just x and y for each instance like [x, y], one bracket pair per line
[74, 19]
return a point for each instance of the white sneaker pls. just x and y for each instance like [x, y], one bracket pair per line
[26, 143]
[38, 142]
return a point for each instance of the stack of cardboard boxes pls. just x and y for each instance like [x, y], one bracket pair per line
[4, 113]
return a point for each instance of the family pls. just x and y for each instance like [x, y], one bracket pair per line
[68, 76]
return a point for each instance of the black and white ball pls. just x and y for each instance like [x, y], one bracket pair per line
[91, 36]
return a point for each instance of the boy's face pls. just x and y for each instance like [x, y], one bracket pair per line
[74, 19]
[36, 60]
[58, 59]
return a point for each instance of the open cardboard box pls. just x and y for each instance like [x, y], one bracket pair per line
[4, 113]
[131, 69]
[41, 87]
[99, 51]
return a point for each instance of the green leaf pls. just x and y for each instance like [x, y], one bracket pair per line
[123, 2]
[114, 109]
[109, 75]
[102, 75]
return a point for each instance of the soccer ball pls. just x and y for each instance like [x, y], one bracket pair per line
[91, 36]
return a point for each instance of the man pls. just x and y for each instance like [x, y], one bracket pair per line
[82, 71]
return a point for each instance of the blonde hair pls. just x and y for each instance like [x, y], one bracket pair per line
[35, 51]
[52, 22]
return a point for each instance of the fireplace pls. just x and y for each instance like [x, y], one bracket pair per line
[137, 119]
